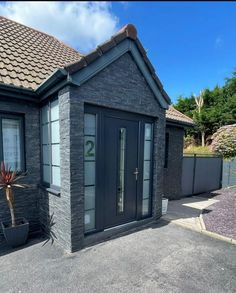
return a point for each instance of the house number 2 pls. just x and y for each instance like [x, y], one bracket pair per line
[90, 151]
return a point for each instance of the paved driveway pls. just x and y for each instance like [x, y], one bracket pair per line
[162, 258]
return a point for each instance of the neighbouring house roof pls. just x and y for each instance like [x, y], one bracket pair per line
[176, 116]
[28, 57]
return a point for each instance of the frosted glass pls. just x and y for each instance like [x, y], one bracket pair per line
[147, 150]
[146, 188]
[54, 110]
[145, 207]
[56, 177]
[55, 135]
[89, 148]
[146, 170]
[45, 114]
[148, 131]
[89, 220]
[46, 173]
[89, 193]
[89, 173]
[89, 124]
[45, 129]
[56, 154]
[45, 154]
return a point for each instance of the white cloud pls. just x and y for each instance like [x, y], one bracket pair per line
[82, 25]
[219, 42]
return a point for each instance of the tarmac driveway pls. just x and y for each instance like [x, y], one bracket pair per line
[161, 258]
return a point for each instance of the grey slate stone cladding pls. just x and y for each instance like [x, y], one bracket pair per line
[173, 172]
[26, 200]
[118, 86]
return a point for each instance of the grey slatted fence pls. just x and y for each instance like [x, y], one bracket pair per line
[201, 174]
[229, 173]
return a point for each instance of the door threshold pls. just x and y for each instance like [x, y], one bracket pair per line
[120, 226]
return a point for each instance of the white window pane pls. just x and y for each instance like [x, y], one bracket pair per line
[54, 110]
[147, 150]
[146, 188]
[146, 170]
[11, 143]
[148, 131]
[89, 220]
[46, 154]
[45, 138]
[56, 178]
[55, 135]
[145, 207]
[45, 114]
[89, 124]
[89, 148]
[46, 173]
[89, 193]
[56, 154]
[89, 173]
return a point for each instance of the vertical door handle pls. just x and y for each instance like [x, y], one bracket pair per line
[136, 174]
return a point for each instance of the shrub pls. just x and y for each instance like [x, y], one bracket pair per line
[224, 141]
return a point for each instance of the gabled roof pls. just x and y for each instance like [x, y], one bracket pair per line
[29, 59]
[176, 116]
[28, 56]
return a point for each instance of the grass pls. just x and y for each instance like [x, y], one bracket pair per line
[198, 150]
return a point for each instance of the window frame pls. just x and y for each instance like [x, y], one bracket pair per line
[44, 183]
[19, 117]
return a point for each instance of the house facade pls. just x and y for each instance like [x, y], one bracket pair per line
[94, 133]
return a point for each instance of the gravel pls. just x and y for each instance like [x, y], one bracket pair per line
[221, 216]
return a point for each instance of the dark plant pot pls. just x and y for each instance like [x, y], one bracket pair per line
[16, 236]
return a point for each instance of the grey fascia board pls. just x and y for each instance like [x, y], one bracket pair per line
[92, 69]
[179, 123]
[57, 75]
[18, 92]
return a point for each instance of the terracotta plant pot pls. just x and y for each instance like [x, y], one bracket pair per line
[16, 236]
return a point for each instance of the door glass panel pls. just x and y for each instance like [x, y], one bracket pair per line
[122, 144]
[89, 220]
[147, 168]
[89, 171]
[89, 148]
[89, 192]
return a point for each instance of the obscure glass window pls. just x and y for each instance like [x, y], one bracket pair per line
[121, 170]
[89, 170]
[50, 143]
[166, 150]
[12, 148]
[147, 169]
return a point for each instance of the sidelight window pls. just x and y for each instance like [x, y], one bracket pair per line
[89, 167]
[147, 159]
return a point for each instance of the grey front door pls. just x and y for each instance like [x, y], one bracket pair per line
[121, 162]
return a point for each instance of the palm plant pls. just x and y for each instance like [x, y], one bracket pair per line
[8, 180]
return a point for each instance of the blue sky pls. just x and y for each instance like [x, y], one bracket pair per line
[192, 45]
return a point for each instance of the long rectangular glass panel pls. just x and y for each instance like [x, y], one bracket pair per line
[54, 110]
[56, 177]
[55, 134]
[121, 185]
[45, 154]
[11, 143]
[89, 170]
[147, 168]
[56, 154]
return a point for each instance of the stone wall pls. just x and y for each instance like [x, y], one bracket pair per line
[173, 172]
[26, 200]
[119, 86]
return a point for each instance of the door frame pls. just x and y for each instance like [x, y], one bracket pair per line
[100, 113]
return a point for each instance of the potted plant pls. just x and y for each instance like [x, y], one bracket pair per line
[164, 205]
[16, 230]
